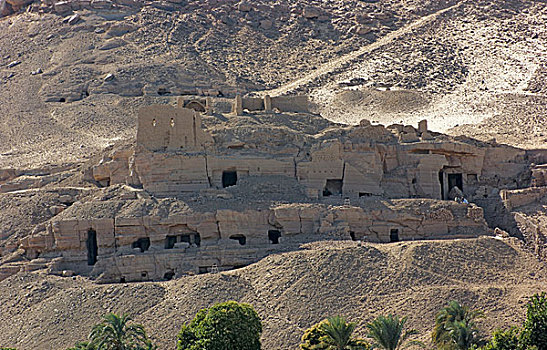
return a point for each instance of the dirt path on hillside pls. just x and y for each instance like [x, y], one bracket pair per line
[338, 63]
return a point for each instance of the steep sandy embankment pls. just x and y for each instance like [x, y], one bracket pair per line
[290, 291]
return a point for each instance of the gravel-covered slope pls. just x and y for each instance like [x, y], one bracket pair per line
[290, 291]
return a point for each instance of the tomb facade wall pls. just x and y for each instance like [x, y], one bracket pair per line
[183, 243]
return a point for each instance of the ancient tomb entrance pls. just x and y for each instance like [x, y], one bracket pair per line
[273, 236]
[448, 179]
[455, 180]
[142, 243]
[92, 248]
[229, 178]
[191, 238]
[333, 187]
[240, 238]
[170, 242]
[168, 275]
[394, 235]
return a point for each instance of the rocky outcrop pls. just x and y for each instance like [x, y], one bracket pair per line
[147, 246]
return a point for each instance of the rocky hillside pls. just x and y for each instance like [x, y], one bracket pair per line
[477, 63]
[290, 291]
[73, 74]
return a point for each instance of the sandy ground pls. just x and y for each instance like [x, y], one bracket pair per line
[290, 291]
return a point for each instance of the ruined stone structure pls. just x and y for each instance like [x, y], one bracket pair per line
[201, 190]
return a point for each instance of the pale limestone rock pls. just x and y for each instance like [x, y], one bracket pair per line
[266, 24]
[244, 6]
[311, 12]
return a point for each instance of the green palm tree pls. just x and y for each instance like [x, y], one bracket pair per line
[114, 333]
[452, 323]
[337, 335]
[387, 332]
[463, 334]
[453, 312]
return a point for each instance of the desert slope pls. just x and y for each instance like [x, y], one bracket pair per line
[290, 291]
[452, 62]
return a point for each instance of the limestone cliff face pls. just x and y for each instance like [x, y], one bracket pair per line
[148, 246]
[201, 191]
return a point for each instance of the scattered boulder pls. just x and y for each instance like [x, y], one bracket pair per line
[72, 19]
[109, 77]
[112, 44]
[244, 6]
[13, 64]
[17, 4]
[101, 4]
[120, 29]
[131, 3]
[311, 12]
[67, 273]
[323, 18]
[36, 72]
[364, 123]
[363, 30]
[266, 24]
[66, 199]
[62, 7]
[56, 209]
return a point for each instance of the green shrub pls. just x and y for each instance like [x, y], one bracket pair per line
[224, 326]
[504, 340]
[312, 337]
[534, 332]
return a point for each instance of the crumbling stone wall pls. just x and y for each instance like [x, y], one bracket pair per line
[174, 154]
[298, 104]
[166, 128]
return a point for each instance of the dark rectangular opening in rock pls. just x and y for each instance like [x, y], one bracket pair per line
[203, 269]
[229, 178]
[168, 275]
[170, 242]
[240, 238]
[273, 236]
[394, 235]
[92, 248]
[455, 180]
[142, 243]
[333, 187]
